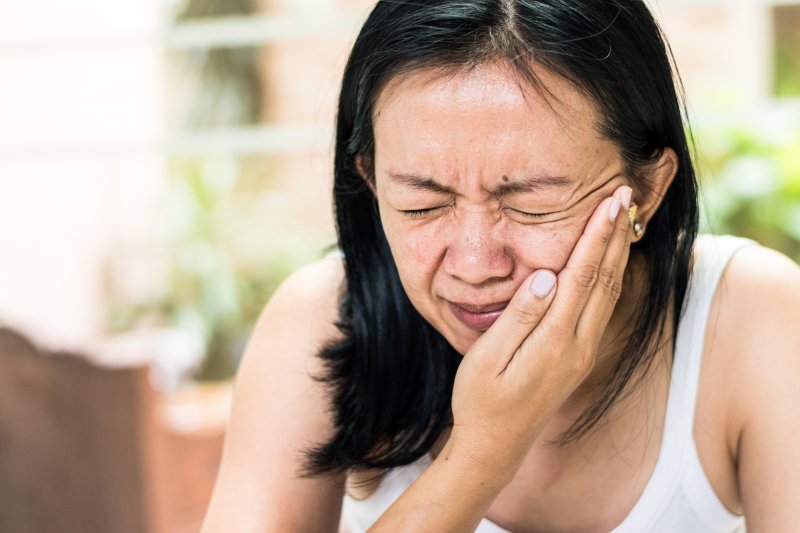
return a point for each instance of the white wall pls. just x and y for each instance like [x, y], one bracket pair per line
[80, 161]
[82, 158]
[722, 49]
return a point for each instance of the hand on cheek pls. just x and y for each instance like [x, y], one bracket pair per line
[545, 342]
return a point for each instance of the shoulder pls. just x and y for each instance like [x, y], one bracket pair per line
[754, 319]
[758, 307]
[304, 308]
[759, 289]
[763, 296]
[278, 410]
[298, 320]
[759, 314]
[312, 291]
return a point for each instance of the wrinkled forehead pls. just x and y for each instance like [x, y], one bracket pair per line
[487, 121]
[499, 82]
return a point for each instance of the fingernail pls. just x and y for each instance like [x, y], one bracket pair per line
[626, 197]
[613, 211]
[542, 283]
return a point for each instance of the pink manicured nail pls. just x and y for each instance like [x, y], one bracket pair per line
[542, 283]
[626, 197]
[614, 210]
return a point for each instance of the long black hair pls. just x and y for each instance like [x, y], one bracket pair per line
[390, 375]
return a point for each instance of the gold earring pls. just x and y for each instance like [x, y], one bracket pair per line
[638, 229]
[632, 213]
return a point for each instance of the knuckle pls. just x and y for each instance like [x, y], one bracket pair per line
[578, 359]
[586, 276]
[623, 230]
[608, 276]
[527, 315]
[582, 356]
[584, 362]
[616, 290]
[605, 237]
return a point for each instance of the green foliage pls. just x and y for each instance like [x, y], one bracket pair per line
[750, 176]
[786, 46]
[198, 9]
[224, 262]
[787, 72]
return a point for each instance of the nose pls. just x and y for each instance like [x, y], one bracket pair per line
[476, 251]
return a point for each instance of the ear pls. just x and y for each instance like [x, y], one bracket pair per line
[656, 180]
[365, 170]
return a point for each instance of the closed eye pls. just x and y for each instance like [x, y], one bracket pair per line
[531, 215]
[417, 213]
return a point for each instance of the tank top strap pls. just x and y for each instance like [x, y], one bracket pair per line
[712, 254]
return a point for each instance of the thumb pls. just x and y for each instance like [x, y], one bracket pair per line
[523, 313]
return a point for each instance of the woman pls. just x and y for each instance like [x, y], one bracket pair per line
[524, 333]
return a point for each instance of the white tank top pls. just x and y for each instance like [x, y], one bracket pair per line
[678, 496]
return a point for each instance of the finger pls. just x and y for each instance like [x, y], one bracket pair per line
[605, 294]
[522, 314]
[577, 279]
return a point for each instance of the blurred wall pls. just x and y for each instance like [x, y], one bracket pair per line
[84, 142]
[722, 49]
[80, 162]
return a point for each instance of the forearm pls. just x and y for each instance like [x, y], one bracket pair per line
[452, 495]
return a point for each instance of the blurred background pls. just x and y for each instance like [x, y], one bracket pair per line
[164, 164]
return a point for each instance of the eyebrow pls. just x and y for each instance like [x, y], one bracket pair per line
[420, 182]
[530, 184]
[523, 185]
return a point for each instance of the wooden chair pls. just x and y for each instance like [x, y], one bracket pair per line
[91, 448]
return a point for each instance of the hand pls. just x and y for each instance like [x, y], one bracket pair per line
[522, 369]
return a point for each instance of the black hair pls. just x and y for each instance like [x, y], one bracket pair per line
[390, 374]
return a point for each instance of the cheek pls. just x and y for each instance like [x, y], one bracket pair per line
[416, 252]
[544, 246]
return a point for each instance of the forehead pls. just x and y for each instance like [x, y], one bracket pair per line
[488, 120]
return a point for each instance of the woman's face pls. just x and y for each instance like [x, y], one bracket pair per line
[480, 181]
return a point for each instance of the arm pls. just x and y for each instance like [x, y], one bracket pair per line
[278, 409]
[768, 384]
[452, 494]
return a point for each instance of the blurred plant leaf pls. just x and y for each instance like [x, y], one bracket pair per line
[221, 275]
[751, 183]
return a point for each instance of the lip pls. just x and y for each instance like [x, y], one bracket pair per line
[477, 317]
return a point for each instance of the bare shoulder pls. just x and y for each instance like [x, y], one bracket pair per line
[757, 305]
[298, 320]
[308, 299]
[756, 312]
[759, 314]
[760, 289]
[279, 411]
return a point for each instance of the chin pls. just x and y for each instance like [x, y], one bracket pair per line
[462, 342]
[456, 335]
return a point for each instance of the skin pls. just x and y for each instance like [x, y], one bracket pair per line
[472, 133]
[523, 380]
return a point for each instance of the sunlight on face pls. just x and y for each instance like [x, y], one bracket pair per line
[479, 185]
